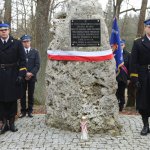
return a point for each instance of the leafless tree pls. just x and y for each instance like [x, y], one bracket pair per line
[142, 18]
[117, 7]
[109, 15]
[7, 7]
[42, 41]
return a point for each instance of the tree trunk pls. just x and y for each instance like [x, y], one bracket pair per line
[142, 18]
[109, 15]
[1, 14]
[7, 14]
[42, 42]
[32, 22]
[117, 7]
[17, 14]
[25, 15]
[124, 24]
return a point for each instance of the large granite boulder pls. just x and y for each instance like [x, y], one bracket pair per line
[74, 89]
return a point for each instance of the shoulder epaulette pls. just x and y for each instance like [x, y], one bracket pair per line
[137, 38]
[15, 38]
[35, 49]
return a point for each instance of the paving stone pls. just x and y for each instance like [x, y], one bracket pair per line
[33, 134]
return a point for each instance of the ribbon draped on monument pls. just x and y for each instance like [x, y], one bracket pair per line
[80, 55]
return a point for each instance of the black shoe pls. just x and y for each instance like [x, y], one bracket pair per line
[145, 130]
[1, 124]
[4, 128]
[120, 108]
[13, 128]
[12, 124]
[22, 115]
[30, 115]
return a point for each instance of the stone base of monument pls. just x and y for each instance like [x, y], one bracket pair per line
[75, 88]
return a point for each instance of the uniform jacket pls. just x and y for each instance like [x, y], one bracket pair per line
[140, 54]
[33, 62]
[140, 59]
[12, 52]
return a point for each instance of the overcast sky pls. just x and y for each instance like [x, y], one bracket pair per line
[135, 3]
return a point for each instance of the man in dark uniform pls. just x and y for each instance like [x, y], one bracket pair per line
[12, 72]
[33, 65]
[123, 77]
[140, 75]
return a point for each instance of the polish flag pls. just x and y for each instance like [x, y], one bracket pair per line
[80, 55]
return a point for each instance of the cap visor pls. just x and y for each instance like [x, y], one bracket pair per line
[3, 28]
[26, 40]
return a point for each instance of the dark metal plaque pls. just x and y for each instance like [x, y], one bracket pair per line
[85, 33]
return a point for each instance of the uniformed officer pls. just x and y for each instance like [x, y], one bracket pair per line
[123, 77]
[140, 75]
[12, 72]
[33, 65]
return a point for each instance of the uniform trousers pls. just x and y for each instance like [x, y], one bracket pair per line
[121, 93]
[8, 110]
[28, 86]
[144, 113]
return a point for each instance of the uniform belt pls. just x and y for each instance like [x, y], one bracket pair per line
[2, 66]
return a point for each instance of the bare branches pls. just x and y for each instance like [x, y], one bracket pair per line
[135, 10]
[128, 10]
[54, 5]
[117, 6]
[59, 4]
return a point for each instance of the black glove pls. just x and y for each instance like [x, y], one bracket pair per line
[136, 82]
[19, 80]
[137, 85]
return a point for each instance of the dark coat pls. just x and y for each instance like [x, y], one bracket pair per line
[33, 62]
[12, 52]
[140, 58]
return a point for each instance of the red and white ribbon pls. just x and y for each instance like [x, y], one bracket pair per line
[80, 55]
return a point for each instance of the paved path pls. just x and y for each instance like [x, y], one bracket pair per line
[33, 134]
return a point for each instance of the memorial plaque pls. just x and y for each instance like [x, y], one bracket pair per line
[85, 33]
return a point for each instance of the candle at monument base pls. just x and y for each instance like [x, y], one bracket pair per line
[84, 130]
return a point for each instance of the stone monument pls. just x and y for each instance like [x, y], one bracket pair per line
[75, 88]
